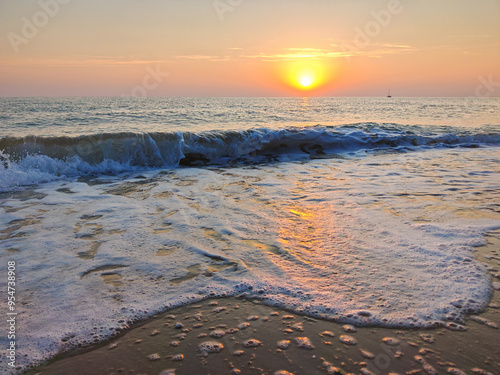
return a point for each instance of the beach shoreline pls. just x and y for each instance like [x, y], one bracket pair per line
[171, 341]
[371, 223]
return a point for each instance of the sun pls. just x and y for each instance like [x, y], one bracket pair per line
[306, 80]
[306, 75]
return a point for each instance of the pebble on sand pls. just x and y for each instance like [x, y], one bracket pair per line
[217, 334]
[283, 372]
[349, 328]
[178, 357]
[283, 344]
[365, 371]
[208, 347]
[238, 353]
[484, 321]
[455, 326]
[170, 371]
[427, 367]
[367, 354]
[480, 371]
[243, 325]
[331, 369]
[304, 342]
[348, 340]
[456, 371]
[154, 357]
[391, 341]
[327, 333]
[425, 351]
[252, 343]
[427, 337]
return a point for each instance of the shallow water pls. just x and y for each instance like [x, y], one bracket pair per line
[372, 234]
[21, 117]
[382, 241]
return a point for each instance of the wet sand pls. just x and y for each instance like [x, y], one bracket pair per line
[253, 338]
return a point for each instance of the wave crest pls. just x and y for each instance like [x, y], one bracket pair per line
[33, 159]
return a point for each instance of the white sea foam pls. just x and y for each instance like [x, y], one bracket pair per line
[30, 160]
[384, 240]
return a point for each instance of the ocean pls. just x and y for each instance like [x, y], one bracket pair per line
[357, 210]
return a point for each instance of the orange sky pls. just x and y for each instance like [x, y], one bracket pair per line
[249, 47]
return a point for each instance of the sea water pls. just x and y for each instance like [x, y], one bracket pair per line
[359, 210]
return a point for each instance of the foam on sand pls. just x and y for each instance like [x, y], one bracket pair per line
[325, 239]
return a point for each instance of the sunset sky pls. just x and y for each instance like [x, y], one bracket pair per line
[249, 47]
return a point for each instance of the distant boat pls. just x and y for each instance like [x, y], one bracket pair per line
[389, 94]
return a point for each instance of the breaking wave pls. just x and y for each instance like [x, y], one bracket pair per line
[34, 159]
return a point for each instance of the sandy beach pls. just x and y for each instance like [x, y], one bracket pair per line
[250, 187]
[248, 337]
